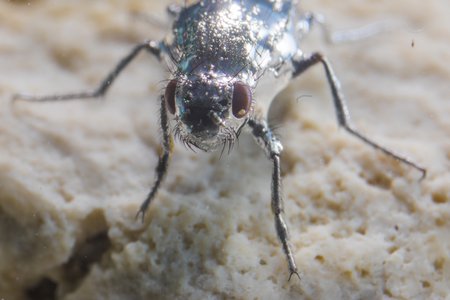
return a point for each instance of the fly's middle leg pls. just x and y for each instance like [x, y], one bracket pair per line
[342, 113]
[272, 146]
[155, 49]
[151, 46]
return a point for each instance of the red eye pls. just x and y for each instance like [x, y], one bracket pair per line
[169, 96]
[242, 100]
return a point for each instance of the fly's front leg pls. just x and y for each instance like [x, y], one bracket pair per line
[340, 105]
[163, 162]
[272, 146]
[152, 46]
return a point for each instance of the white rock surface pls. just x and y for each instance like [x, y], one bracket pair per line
[72, 175]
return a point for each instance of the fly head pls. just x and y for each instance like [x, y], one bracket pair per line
[209, 111]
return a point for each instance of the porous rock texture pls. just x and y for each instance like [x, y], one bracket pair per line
[72, 175]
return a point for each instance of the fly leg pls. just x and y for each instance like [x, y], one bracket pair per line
[163, 162]
[273, 147]
[154, 48]
[342, 113]
[173, 10]
[151, 46]
[309, 20]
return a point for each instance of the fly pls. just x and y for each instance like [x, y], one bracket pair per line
[230, 58]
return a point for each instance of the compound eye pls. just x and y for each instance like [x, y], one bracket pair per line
[242, 100]
[169, 96]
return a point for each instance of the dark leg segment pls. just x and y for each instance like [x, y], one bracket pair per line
[151, 46]
[340, 105]
[154, 48]
[163, 162]
[272, 146]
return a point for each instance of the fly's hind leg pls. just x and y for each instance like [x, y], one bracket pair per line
[151, 46]
[272, 146]
[309, 20]
[343, 116]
